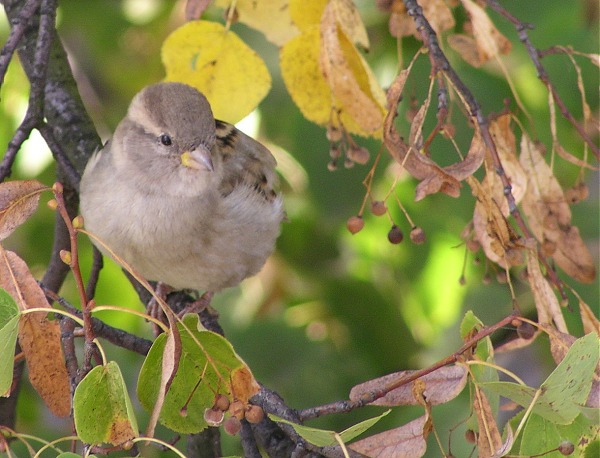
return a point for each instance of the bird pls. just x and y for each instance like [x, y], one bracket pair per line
[186, 200]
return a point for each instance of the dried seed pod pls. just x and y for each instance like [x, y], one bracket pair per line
[526, 331]
[254, 413]
[395, 235]
[213, 417]
[566, 448]
[237, 409]
[221, 402]
[358, 154]
[335, 151]
[378, 208]
[334, 133]
[232, 426]
[355, 224]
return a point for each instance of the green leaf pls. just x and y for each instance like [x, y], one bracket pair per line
[102, 408]
[565, 390]
[326, 438]
[541, 435]
[208, 365]
[9, 329]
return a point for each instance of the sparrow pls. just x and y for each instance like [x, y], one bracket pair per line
[184, 199]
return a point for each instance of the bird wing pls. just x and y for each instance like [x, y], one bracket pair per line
[245, 162]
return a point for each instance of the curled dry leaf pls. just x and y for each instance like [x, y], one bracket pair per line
[546, 303]
[588, 318]
[348, 76]
[490, 43]
[496, 236]
[433, 177]
[489, 440]
[40, 342]
[170, 363]
[408, 441]
[18, 200]
[441, 386]
[549, 215]
[466, 47]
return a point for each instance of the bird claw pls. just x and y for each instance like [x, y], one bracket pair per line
[200, 305]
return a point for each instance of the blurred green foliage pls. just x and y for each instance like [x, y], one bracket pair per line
[341, 309]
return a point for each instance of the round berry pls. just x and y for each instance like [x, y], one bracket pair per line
[237, 409]
[378, 208]
[355, 224]
[395, 235]
[254, 414]
[232, 426]
[221, 402]
[358, 154]
[566, 448]
[417, 235]
[213, 417]
[526, 331]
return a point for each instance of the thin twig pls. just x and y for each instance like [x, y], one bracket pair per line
[367, 398]
[441, 63]
[535, 55]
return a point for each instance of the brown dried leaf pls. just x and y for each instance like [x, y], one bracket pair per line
[489, 440]
[560, 150]
[437, 13]
[243, 384]
[433, 177]
[466, 47]
[195, 8]
[504, 139]
[17, 280]
[40, 342]
[498, 239]
[589, 320]
[560, 342]
[515, 344]
[18, 201]
[489, 41]
[408, 441]
[546, 303]
[347, 74]
[549, 215]
[170, 364]
[441, 386]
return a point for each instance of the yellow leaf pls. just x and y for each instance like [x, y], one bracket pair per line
[350, 78]
[307, 14]
[350, 21]
[271, 17]
[217, 62]
[299, 62]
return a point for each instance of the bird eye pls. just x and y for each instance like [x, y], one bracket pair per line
[165, 140]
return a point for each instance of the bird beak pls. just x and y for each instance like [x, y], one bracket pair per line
[198, 159]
